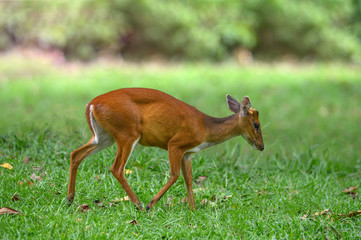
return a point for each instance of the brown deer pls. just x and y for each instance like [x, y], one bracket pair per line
[149, 117]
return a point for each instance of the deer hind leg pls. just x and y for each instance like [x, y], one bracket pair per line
[100, 140]
[187, 175]
[125, 148]
[175, 158]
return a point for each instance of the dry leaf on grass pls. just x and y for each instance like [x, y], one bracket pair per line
[26, 160]
[7, 165]
[329, 213]
[350, 214]
[6, 210]
[126, 198]
[135, 222]
[351, 191]
[84, 208]
[117, 201]
[99, 203]
[15, 198]
[128, 171]
[200, 180]
[35, 177]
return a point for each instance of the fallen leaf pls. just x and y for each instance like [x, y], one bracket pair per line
[327, 212]
[128, 171]
[126, 198]
[227, 197]
[7, 165]
[134, 222]
[6, 210]
[350, 214]
[84, 208]
[200, 180]
[100, 204]
[35, 177]
[30, 183]
[15, 198]
[26, 160]
[322, 213]
[304, 217]
[351, 191]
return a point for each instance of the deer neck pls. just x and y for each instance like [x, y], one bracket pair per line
[221, 129]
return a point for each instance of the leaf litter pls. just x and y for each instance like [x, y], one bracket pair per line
[15, 198]
[7, 165]
[329, 214]
[10, 211]
[352, 191]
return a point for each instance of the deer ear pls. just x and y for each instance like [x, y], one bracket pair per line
[245, 106]
[233, 104]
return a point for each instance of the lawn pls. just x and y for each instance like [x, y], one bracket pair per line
[311, 121]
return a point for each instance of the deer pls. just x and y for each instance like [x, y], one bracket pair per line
[149, 117]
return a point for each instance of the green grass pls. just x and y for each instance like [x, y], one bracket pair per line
[311, 122]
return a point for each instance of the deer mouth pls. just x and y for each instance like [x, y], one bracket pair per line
[258, 146]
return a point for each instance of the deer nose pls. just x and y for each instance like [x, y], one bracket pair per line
[261, 148]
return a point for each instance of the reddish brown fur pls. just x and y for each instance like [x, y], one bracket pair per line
[160, 120]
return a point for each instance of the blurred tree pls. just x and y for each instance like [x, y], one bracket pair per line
[186, 30]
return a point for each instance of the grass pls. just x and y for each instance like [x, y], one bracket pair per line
[310, 118]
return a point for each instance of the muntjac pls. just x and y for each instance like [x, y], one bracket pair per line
[149, 117]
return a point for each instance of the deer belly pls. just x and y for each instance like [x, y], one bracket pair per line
[200, 147]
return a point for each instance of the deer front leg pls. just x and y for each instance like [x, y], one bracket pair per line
[175, 158]
[187, 175]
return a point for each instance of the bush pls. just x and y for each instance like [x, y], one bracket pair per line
[190, 30]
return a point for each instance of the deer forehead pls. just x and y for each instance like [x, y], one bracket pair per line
[254, 113]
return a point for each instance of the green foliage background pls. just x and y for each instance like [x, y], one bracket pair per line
[186, 30]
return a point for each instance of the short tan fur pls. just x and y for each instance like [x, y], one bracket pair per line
[150, 117]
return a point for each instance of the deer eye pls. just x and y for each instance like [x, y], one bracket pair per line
[256, 125]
